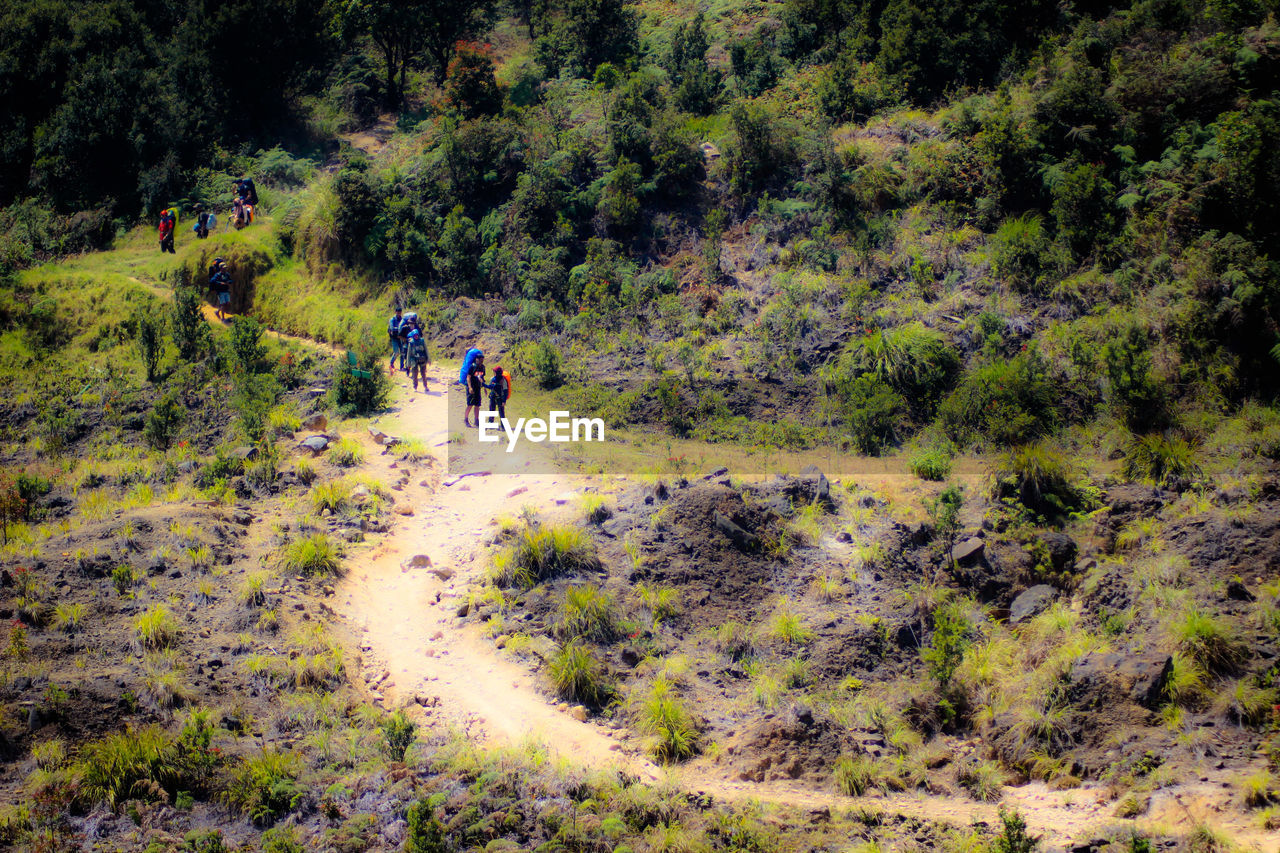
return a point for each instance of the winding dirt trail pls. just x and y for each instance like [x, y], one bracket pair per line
[419, 654]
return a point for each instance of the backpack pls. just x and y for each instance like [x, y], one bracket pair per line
[506, 375]
[417, 350]
[468, 360]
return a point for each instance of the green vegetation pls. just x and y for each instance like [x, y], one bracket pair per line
[315, 555]
[579, 676]
[541, 552]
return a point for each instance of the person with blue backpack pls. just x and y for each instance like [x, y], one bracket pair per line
[393, 335]
[472, 376]
[419, 358]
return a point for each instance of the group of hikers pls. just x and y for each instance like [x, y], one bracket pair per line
[409, 346]
[409, 351]
[242, 211]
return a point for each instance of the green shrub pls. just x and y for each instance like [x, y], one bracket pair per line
[1005, 402]
[246, 343]
[912, 359]
[1041, 479]
[187, 323]
[150, 336]
[1013, 837]
[362, 390]
[1018, 251]
[164, 422]
[314, 555]
[588, 613]
[398, 733]
[541, 552]
[122, 579]
[579, 676]
[868, 410]
[425, 832]
[983, 779]
[1166, 461]
[953, 633]
[266, 787]
[1139, 397]
[931, 463]
[787, 627]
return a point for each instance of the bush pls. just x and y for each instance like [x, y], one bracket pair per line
[150, 340]
[579, 676]
[543, 552]
[315, 555]
[164, 422]
[186, 320]
[333, 496]
[246, 343]
[426, 832]
[1013, 837]
[914, 360]
[1040, 479]
[1006, 402]
[587, 613]
[398, 733]
[931, 463]
[1017, 252]
[361, 394]
[953, 633]
[870, 411]
[546, 361]
[266, 787]
[1167, 461]
[983, 780]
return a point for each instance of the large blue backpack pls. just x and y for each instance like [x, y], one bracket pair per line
[468, 360]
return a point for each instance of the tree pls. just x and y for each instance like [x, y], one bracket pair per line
[408, 31]
[246, 343]
[589, 33]
[471, 87]
[190, 331]
[150, 341]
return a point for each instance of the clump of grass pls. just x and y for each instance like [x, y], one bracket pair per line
[1258, 789]
[68, 618]
[265, 787]
[662, 602]
[251, 592]
[579, 676]
[128, 765]
[412, 450]
[346, 453]
[1041, 479]
[589, 613]
[595, 509]
[200, 558]
[163, 684]
[855, 775]
[787, 627]
[314, 555]
[541, 552]
[305, 471]
[1210, 642]
[766, 687]
[51, 754]
[157, 629]
[983, 780]
[733, 640]
[1166, 461]
[333, 496]
[827, 587]
[663, 717]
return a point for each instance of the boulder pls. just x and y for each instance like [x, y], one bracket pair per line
[819, 486]
[313, 393]
[1098, 676]
[968, 551]
[315, 423]
[1237, 591]
[418, 561]
[244, 454]
[1062, 550]
[317, 444]
[1031, 602]
[744, 539]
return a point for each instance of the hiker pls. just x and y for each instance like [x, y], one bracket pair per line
[475, 385]
[202, 222]
[246, 191]
[393, 335]
[168, 223]
[419, 358]
[220, 281]
[407, 324]
[499, 392]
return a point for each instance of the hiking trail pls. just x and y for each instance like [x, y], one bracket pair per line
[417, 653]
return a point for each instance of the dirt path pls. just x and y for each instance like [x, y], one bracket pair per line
[419, 654]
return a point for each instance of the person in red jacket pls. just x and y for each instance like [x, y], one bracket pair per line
[168, 224]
